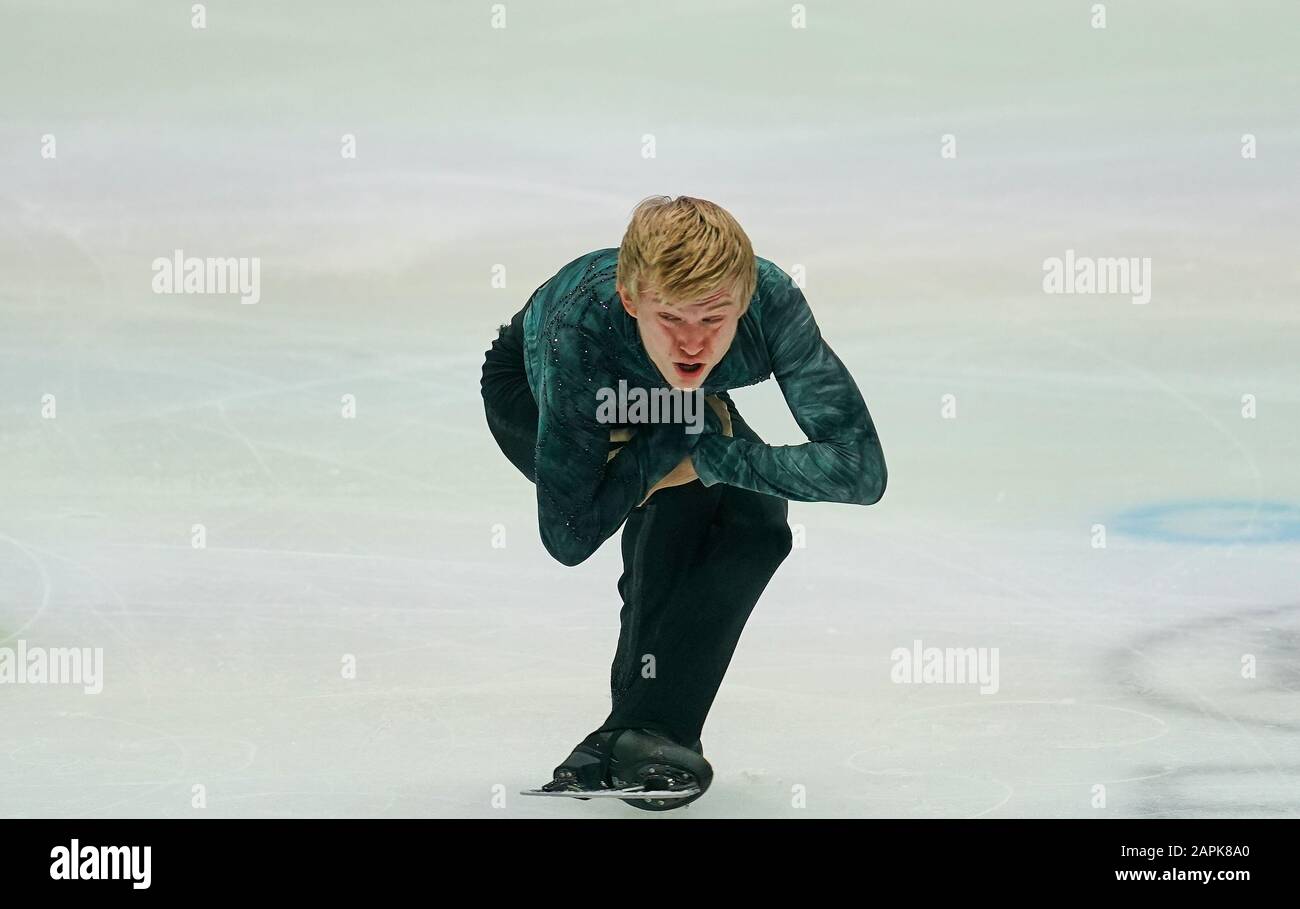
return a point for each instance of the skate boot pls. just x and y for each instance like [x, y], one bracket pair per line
[586, 768]
[645, 757]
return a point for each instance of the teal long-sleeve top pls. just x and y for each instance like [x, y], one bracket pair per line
[578, 339]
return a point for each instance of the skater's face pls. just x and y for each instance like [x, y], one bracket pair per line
[685, 341]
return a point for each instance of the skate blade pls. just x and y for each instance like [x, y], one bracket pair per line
[629, 792]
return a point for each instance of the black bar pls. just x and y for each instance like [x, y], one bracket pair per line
[332, 858]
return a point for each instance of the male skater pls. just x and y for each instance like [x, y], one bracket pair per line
[684, 304]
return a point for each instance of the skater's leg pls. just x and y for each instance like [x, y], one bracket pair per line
[659, 540]
[621, 666]
[681, 517]
[698, 568]
[508, 402]
[699, 625]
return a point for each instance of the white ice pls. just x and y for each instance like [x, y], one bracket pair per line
[1156, 676]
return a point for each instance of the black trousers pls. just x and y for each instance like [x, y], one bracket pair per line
[695, 561]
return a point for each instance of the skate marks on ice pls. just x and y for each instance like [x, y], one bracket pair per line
[1232, 755]
[47, 586]
[1198, 667]
[1198, 670]
[935, 761]
[1228, 790]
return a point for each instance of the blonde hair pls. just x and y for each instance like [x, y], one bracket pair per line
[683, 249]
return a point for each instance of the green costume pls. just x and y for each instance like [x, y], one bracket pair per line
[578, 338]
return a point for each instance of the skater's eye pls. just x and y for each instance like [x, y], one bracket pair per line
[711, 320]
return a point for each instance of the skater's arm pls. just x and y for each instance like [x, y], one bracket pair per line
[842, 461]
[583, 496]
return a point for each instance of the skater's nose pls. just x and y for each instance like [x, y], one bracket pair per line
[691, 340]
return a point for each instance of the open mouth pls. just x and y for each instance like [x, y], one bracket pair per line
[688, 369]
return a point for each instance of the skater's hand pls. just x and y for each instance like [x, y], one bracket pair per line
[617, 439]
[722, 412]
[680, 475]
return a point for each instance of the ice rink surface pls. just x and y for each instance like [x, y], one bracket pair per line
[1154, 676]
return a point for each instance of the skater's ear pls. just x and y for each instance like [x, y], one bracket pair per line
[628, 303]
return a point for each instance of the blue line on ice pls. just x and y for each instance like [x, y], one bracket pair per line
[1212, 521]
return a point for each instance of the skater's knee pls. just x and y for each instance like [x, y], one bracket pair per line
[490, 375]
[773, 530]
[758, 524]
[782, 540]
[770, 540]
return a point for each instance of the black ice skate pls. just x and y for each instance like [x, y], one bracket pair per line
[672, 775]
[640, 766]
